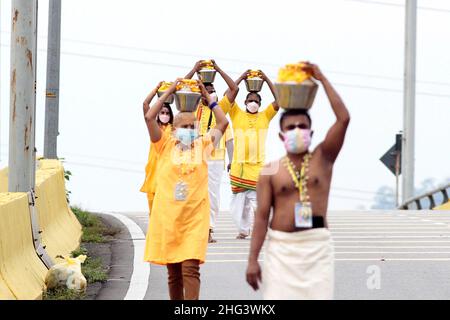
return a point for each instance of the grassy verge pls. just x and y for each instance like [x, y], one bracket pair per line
[94, 231]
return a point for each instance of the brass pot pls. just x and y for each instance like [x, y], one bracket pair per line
[207, 75]
[296, 95]
[187, 101]
[169, 100]
[254, 84]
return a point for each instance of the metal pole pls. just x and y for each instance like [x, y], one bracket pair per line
[397, 173]
[52, 92]
[22, 152]
[409, 101]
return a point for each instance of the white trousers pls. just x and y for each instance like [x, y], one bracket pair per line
[215, 171]
[243, 207]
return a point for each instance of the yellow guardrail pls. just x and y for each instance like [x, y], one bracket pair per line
[4, 180]
[21, 269]
[445, 206]
[61, 231]
[22, 272]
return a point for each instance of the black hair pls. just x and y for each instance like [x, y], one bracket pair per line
[295, 112]
[166, 105]
[257, 94]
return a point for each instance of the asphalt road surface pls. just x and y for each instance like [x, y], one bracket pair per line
[378, 254]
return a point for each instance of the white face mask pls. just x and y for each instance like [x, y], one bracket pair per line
[214, 96]
[164, 118]
[252, 107]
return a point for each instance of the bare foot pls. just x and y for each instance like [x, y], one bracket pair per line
[210, 238]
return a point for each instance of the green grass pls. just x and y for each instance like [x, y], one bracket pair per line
[93, 270]
[93, 228]
[63, 294]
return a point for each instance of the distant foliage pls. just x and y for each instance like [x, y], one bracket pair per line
[384, 199]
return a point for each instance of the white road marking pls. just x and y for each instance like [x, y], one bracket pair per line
[344, 259]
[391, 252]
[420, 227]
[392, 247]
[141, 270]
[387, 237]
[442, 232]
[391, 241]
[353, 247]
[342, 252]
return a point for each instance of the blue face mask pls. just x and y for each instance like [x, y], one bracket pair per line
[186, 136]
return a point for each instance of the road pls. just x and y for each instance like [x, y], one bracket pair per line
[378, 254]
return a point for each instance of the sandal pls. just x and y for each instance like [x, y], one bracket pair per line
[241, 236]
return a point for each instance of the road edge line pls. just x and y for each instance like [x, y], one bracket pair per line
[141, 270]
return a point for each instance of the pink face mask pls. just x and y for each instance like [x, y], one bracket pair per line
[297, 141]
[164, 118]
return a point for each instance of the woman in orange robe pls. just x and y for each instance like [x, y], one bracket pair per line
[165, 121]
[178, 230]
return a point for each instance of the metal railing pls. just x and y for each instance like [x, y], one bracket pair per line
[429, 197]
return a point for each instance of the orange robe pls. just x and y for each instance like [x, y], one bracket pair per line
[149, 185]
[178, 230]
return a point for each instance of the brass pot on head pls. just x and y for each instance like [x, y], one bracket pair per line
[292, 95]
[187, 101]
[207, 75]
[169, 100]
[254, 84]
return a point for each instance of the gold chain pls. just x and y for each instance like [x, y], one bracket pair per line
[301, 177]
[183, 167]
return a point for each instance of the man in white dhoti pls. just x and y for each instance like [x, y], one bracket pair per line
[299, 258]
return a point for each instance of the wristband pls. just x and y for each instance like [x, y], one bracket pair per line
[213, 105]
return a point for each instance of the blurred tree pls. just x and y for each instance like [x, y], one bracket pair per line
[384, 198]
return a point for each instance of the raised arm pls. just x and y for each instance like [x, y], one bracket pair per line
[264, 203]
[237, 83]
[221, 120]
[150, 97]
[233, 89]
[336, 134]
[272, 89]
[150, 115]
[198, 65]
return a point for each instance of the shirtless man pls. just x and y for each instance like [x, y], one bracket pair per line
[299, 257]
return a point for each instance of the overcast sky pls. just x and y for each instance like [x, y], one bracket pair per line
[114, 52]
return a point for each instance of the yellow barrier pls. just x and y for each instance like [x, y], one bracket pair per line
[21, 270]
[22, 273]
[5, 293]
[61, 231]
[4, 180]
[445, 206]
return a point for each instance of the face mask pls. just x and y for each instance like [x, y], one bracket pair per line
[214, 96]
[164, 118]
[297, 141]
[186, 136]
[252, 107]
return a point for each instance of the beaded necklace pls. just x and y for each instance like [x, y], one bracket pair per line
[299, 177]
[181, 191]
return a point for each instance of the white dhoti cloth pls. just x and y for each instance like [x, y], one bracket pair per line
[243, 207]
[298, 265]
[215, 171]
